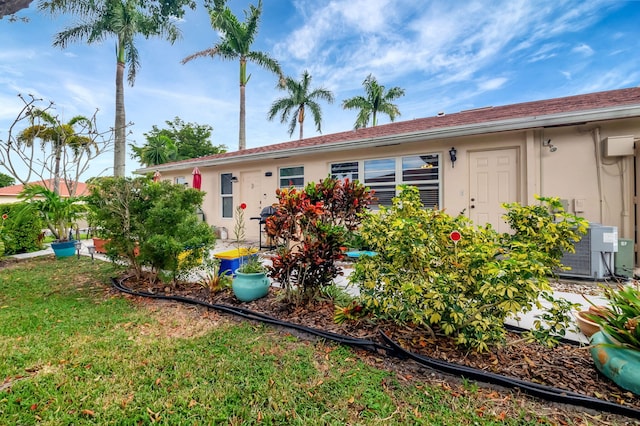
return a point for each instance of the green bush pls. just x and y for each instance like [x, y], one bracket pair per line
[464, 290]
[20, 234]
[152, 224]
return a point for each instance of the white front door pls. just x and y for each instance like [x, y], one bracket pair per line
[494, 179]
[251, 195]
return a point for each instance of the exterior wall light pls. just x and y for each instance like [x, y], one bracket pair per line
[548, 144]
[452, 156]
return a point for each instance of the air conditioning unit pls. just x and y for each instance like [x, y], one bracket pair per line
[594, 256]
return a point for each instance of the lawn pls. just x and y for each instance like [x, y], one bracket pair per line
[76, 352]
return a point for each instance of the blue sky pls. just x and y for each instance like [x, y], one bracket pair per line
[447, 56]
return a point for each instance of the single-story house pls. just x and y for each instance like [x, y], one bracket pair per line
[9, 194]
[579, 148]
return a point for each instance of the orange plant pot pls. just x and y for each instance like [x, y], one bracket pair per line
[587, 327]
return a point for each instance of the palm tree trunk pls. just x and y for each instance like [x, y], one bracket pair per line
[301, 119]
[56, 168]
[242, 137]
[120, 144]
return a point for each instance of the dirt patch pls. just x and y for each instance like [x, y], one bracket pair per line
[174, 320]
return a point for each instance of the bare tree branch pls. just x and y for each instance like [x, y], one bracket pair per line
[26, 161]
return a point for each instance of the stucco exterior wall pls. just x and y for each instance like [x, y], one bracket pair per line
[596, 187]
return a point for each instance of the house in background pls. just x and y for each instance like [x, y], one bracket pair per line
[9, 194]
[579, 148]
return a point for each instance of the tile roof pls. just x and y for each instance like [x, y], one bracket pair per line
[14, 190]
[549, 107]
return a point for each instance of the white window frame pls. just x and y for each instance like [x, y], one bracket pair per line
[224, 196]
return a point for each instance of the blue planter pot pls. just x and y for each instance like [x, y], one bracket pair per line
[64, 248]
[248, 287]
[620, 364]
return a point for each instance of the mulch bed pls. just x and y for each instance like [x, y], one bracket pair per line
[565, 367]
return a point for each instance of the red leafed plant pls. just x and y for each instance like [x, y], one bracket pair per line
[311, 226]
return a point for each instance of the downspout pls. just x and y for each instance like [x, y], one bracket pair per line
[596, 145]
[623, 201]
[541, 159]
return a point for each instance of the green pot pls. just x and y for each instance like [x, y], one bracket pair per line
[620, 364]
[248, 287]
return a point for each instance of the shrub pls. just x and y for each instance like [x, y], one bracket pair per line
[152, 224]
[464, 290]
[311, 227]
[20, 234]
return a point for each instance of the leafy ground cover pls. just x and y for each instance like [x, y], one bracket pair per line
[76, 352]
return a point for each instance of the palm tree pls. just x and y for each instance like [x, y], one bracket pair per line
[376, 100]
[159, 149]
[48, 129]
[300, 98]
[123, 20]
[236, 40]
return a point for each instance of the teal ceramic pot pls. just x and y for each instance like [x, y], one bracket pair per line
[64, 248]
[620, 364]
[248, 287]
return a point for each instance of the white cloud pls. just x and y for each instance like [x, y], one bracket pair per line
[620, 77]
[492, 84]
[17, 55]
[583, 49]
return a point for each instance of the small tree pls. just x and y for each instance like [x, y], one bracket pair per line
[178, 141]
[152, 224]
[66, 150]
[467, 289]
[311, 226]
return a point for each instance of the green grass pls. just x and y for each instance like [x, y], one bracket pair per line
[75, 353]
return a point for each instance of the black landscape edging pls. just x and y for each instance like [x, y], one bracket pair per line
[541, 391]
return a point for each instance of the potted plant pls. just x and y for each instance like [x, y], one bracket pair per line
[250, 280]
[60, 215]
[96, 233]
[616, 347]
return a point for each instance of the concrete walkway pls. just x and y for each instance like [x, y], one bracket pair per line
[525, 321]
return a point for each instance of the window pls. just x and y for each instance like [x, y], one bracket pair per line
[423, 171]
[180, 180]
[380, 175]
[292, 176]
[383, 175]
[226, 194]
[345, 170]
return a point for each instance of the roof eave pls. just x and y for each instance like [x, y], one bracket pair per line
[523, 123]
